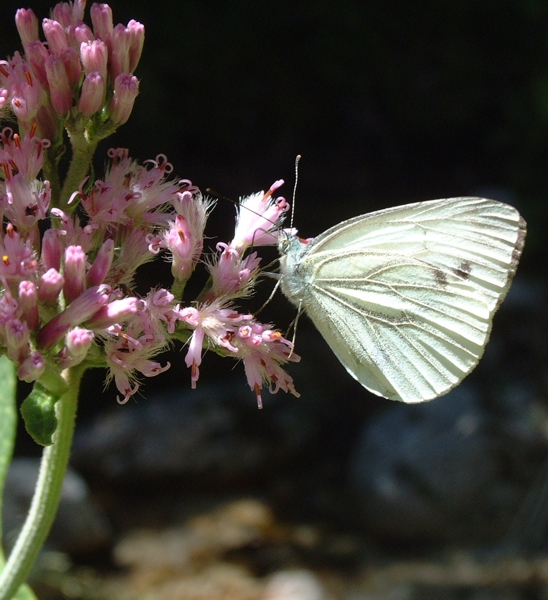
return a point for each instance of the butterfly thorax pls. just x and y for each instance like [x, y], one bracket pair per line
[292, 252]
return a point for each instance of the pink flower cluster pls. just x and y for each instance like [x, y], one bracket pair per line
[67, 293]
[67, 276]
[217, 325]
[77, 73]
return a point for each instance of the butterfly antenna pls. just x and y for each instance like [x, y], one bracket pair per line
[217, 195]
[297, 159]
[235, 202]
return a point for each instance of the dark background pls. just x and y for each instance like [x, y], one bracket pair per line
[387, 103]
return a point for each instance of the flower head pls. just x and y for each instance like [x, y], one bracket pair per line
[262, 350]
[68, 277]
[258, 221]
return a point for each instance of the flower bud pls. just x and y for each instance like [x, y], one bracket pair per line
[115, 312]
[101, 17]
[84, 307]
[60, 92]
[78, 342]
[137, 39]
[37, 53]
[75, 272]
[28, 300]
[50, 286]
[79, 34]
[51, 249]
[73, 67]
[92, 94]
[55, 35]
[27, 26]
[101, 264]
[126, 88]
[120, 51]
[32, 367]
[94, 57]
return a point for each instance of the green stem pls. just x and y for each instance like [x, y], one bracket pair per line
[51, 173]
[82, 153]
[48, 491]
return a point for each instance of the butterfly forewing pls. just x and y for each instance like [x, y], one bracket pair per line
[405, 296]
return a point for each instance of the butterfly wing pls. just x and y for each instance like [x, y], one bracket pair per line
[405, 297]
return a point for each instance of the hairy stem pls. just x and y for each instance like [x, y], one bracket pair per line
[47, 493]
[82, 154]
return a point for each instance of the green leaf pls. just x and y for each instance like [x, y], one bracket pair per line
[24, 593]
[38, 411]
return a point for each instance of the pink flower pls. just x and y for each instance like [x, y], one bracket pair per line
[69, 13]
[23, 155]
[193, 357]
[231, 275]
[211, 321]
[18, 260]
[136, 33]
[26, 94]
[17, 340]
[258, 220]
[26, 202]
[114, 313]
[262, 350]
[73, 67]
[9, 309]
[184, 238]
[160, 309]
[72, 233]
[130, 193]
[127, 45]
[36, 54]
[130, 353]
[79, 34]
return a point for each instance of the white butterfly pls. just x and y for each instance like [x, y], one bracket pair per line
[405, 296]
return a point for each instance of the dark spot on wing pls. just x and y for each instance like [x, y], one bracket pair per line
[464, 269]
[440, 277]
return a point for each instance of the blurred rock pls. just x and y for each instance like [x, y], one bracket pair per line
[79, 526]
[294, 585]
[436, 471]
[213, 435]
[204, 538]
